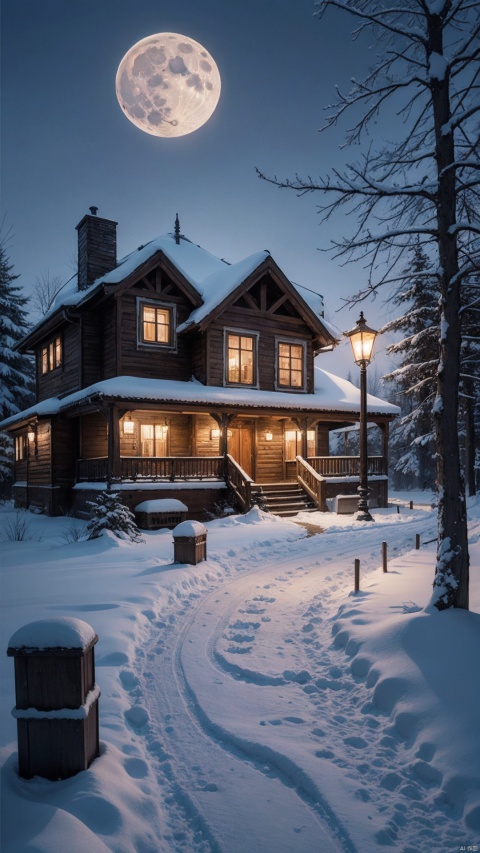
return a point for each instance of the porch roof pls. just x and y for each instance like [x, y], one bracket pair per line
[332, 394]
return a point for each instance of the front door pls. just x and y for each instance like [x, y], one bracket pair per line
[240, 446]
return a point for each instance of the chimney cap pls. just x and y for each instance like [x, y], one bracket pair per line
[93, 210]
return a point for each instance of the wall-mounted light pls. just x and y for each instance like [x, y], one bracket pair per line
[128, 426]
[214, 434]
[31, 434]
[268, 436]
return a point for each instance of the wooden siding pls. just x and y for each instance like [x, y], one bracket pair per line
[64, 450]
[268, 329]
[270, 466]
[92, 333]
[203, 444]
[40, 461]
[153, 362]
[66, 378]
[109, 342]
[93, 436]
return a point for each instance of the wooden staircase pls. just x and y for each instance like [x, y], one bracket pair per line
[284, 499]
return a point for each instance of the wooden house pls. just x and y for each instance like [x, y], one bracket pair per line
[172, 373]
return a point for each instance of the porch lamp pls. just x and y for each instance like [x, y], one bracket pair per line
[362, 339]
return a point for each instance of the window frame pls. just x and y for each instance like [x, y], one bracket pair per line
[240, 333]
[51, 355]
[298, 442]
[21, 447]
[155, 426]
[170, 309]
[299, 389]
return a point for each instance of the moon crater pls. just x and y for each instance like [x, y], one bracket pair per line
[168, 85]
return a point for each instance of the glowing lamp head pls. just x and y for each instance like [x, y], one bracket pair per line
[362, 339]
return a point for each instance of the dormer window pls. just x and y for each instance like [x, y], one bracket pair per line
[241, 359]
[156, 324]
[290, 365]
[52, 355]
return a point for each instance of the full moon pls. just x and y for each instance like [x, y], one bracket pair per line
[168, 84]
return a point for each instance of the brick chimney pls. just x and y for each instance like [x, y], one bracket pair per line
[97, 247]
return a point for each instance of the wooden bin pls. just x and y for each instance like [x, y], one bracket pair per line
[56, 698]
[190, 543]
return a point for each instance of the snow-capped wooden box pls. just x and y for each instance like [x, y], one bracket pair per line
[56, 697]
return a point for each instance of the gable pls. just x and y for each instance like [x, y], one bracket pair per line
[259, 287]
[266, 297]
[158, 278]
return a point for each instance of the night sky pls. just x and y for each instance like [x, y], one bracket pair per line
[66, 145]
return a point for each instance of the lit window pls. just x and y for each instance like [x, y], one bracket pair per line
[293, 444]
[52, 355]
[153, 439]
[20, 447]
[290, 365]
[156, 325]
[240, 359]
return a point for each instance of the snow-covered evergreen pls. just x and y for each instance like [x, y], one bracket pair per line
[412, 436]
[16, 370]
[109, 513]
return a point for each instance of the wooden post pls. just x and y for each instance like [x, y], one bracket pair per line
[417, 541]
[357, 575]
[398, 509]
[411, 504]
[384, 556]
[56, 697]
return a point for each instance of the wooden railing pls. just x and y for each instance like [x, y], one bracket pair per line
[312, 482]
[239, 482]
[152, 468]
[346, 466]
[92, 470]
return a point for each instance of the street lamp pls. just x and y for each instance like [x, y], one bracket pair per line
[362, 339]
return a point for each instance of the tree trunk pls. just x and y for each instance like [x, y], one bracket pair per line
[452, 570]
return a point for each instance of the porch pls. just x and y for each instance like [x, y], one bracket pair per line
[321, 477]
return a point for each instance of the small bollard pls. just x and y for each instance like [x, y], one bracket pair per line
[411, 504]
[384, 556]
[357, 575]
[56, 697]
[189, 542]
[417, 541]
[398, 509]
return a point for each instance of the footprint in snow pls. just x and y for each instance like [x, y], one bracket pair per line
[136, 768]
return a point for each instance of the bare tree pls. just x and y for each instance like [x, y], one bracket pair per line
[423, 184]
[44, 291]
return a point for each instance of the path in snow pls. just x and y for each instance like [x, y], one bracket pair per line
[229, 757]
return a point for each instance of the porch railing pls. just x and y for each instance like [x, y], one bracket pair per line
[312, 482]
[239, 482]
[346, 466]
[151, 468]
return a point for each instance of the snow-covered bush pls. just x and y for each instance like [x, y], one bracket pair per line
[109, 513]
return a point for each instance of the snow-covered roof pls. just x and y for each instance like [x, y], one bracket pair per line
[213, 278]
[332, 394]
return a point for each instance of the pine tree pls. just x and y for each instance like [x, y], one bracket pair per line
[16, 370]
[415, 378]
[109, 513]
[470, 383]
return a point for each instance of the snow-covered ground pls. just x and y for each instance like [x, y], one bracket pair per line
[254, 702]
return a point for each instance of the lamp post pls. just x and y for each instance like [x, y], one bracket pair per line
[362, 339]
